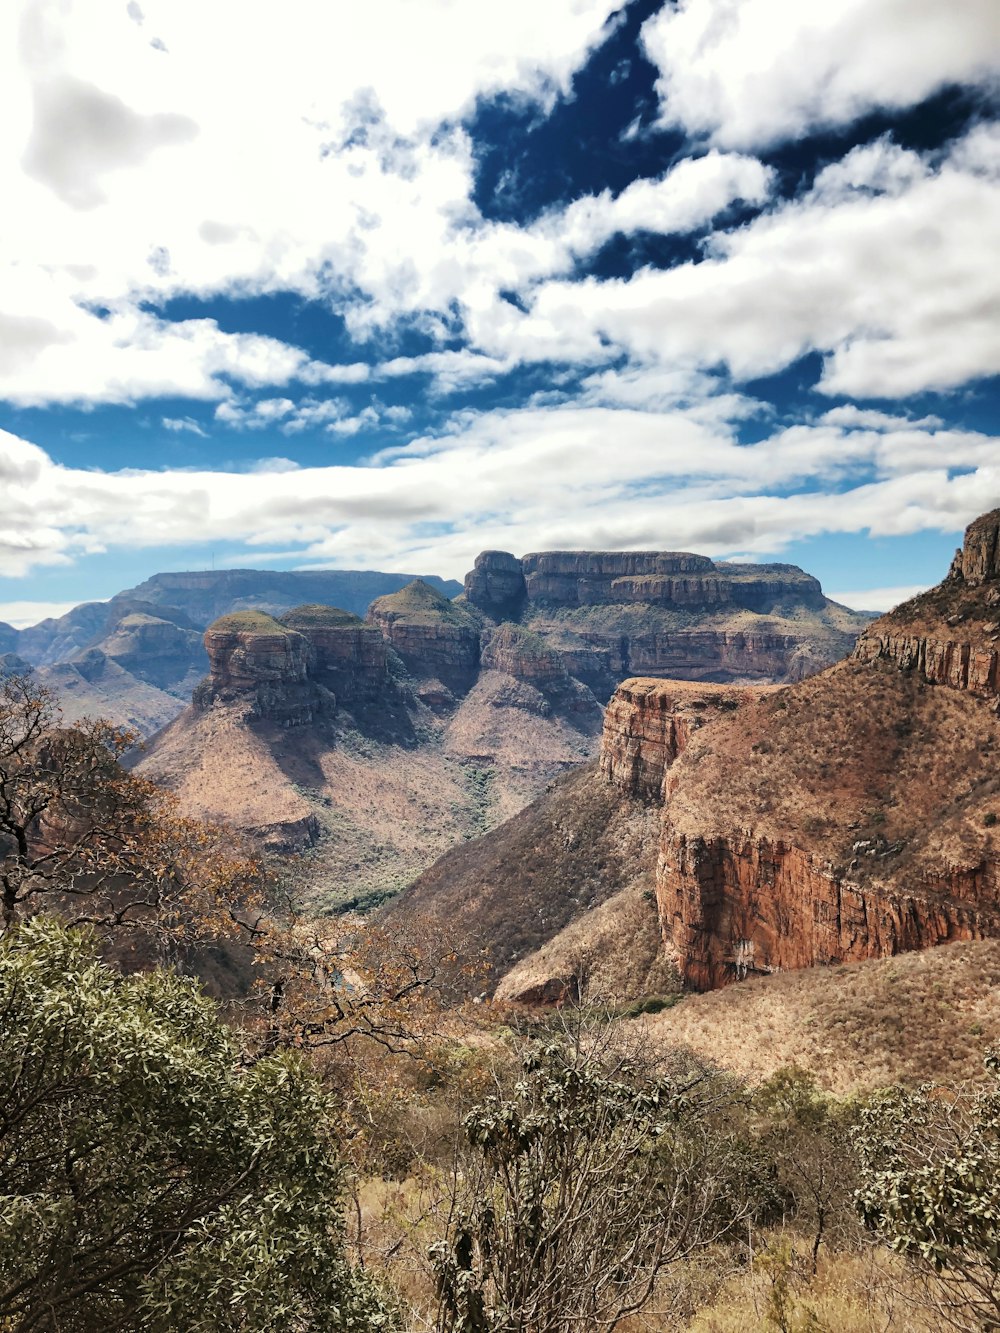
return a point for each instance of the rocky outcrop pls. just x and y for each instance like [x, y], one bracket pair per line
[962, 666]
[349, 657]
[524, 655]
[743, 903]
[980, 554]
[648, 723]
[615, 614]
[500, 583]
[154, 650]
[436, 638]
[496, 585]
[255, 658]
[949, 635]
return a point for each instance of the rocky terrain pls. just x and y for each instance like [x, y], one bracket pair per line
[137, 658]
[610, 615]
[852, 815]
[313, 733]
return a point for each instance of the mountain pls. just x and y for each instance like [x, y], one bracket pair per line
[381, 744]
[614, 614]
[851, 815]
[136, 658]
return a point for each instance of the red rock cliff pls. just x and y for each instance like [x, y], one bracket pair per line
[850, 816]
[649, 722]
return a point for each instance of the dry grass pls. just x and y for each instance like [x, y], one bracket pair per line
[918, 1017]
[519, 886]
[859, 752]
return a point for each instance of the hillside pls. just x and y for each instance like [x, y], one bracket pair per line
[310, 733]
[919, 1017]
[851, 815]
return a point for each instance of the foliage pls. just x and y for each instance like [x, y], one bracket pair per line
[931, 1188]
[150, 1177]
[807, 1135]
[576, 1188]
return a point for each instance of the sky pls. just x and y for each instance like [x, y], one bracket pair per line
[382, 285]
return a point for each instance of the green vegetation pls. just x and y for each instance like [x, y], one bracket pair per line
[152, 1176]
[247, 622]
[315, 615]
[525, 642]
[419, 603]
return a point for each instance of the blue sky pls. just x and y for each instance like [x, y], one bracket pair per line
[380, 286]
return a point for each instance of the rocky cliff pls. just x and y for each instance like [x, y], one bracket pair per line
[949, 635]
[648, 724]
[254, 658]
[436, 638]
[851, 815]
[348, 657]
[611, 615]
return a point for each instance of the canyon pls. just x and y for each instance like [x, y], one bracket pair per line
[847, 816]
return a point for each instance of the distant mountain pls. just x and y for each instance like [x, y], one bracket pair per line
[137, 657]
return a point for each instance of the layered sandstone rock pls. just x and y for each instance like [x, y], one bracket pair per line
[349, 657]
[256, 658]
[496, 585]
[745, 903]
[615, 614]
[436, 638]
[648, 723]
[949, 635]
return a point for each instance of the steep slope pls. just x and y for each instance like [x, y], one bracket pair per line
[924, 1016]
[564, 894]
[310, 733]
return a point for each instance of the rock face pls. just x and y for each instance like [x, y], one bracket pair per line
[615, 614]
[349, 657]
[951, 634]
[254, 657]
[436, 638]
[648, 723]
[844, 818]
[656, 578]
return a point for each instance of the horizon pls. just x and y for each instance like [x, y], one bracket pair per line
[385, 292]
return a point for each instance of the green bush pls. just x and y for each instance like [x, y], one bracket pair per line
[151, 1175]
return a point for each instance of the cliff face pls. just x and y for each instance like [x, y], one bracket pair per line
[614, 614]
[656, 578]
[255, 658]
[648, 724]
[436, 638]
[846, 817]
[348, 656]
[949, 635]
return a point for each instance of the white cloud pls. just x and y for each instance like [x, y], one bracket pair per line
[181, 424]
[877, 599]
[537, 478]
[898, 289]
[748, 73]
[23, 614]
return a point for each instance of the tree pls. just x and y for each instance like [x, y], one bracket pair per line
[808, 1135]
[149, 1176]
[576, 1188]
[930, 1187]
[82, 836]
